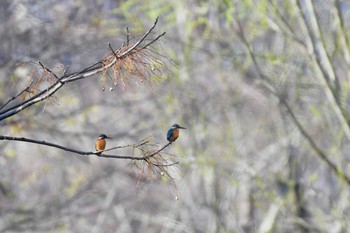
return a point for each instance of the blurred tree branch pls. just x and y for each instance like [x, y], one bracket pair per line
[337, 170]
[268, 84]
[319, 56]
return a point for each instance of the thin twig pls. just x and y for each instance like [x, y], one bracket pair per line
[126, 146]
[90, 68]
[65, 70]
[157, 38]
[127, 36]
[164, 165]
[48, 70]
[110, 46]
[135, 157]
[16, 96]
[142, 39]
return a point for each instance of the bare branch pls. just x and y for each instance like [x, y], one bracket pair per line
[127, 36]
[33, 100]
[154, 40]
[96, 68]
[19, 94]
[50, 144]
[165, 165]
[121, 147]
[48, 70]
[142, 39]
[110, 46]
[136, 157]
[22, 139]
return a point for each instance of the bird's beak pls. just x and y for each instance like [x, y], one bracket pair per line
[182, 127]
[109, 137]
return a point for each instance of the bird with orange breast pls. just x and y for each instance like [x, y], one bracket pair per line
[101, 143]
[173, 132]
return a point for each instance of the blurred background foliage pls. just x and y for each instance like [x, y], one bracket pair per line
[234, 66]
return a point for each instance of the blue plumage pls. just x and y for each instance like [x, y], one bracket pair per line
[170, 133]
[173, 132]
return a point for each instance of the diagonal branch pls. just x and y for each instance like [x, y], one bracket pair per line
[122, 147]
[142, 39]
[319, 55]
[90, 71]
[48, 70]
[35, 99]
[19, 94]
[313, 144]
[154, 40]
[344, 38]
[318, 49]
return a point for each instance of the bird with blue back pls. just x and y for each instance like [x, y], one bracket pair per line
[101, 143]
[173, 132]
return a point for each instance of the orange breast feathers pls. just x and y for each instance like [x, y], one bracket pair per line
[175, 135]
[100, 144]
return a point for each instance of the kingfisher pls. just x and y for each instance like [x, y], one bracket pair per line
[101, 143]
[173, 132]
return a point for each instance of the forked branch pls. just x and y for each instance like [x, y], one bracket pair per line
[117, 61]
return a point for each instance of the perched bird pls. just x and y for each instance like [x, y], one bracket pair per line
[173, 132]
[101, 143]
